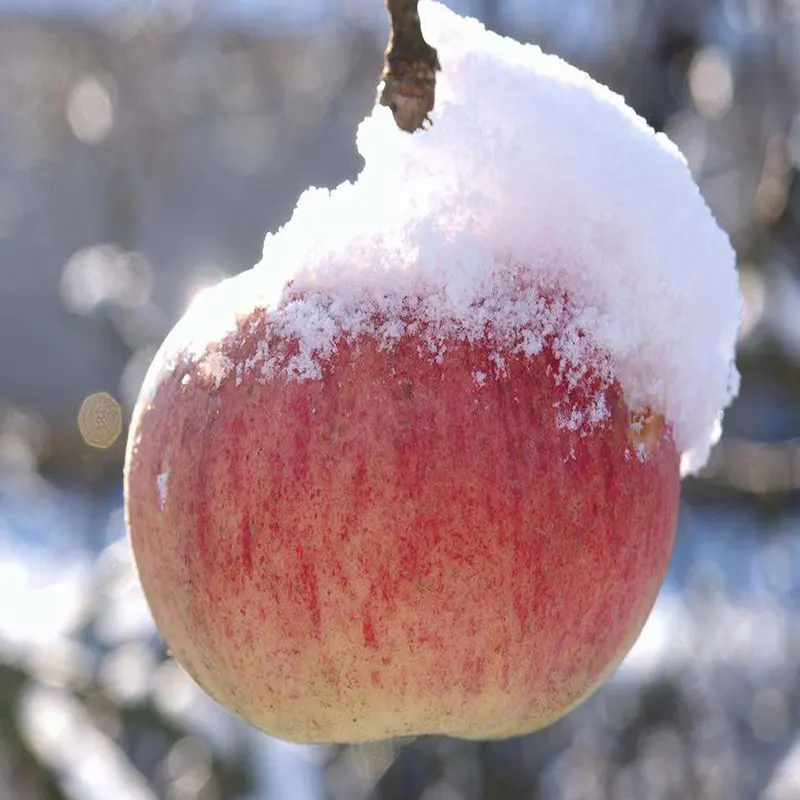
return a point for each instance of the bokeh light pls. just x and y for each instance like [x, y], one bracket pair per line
[100, 420]
[90, 110]
[711, 83]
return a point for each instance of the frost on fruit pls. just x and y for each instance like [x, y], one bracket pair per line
[536, 209]
[163, 482]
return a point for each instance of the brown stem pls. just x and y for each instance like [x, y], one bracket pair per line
[409, 75]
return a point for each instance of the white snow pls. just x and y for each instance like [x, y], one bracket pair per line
[479, 376]
[537, 205]
[163, 481]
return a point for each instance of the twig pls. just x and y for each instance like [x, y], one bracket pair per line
[409, 76]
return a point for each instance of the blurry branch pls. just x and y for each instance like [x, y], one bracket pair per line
[72, 748]
[28, 777]
[60, 727]
[409, 75]
[756, 468]
[415, 768]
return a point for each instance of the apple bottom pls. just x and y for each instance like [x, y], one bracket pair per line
[400, 546]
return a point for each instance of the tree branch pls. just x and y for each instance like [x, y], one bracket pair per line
[410, 64]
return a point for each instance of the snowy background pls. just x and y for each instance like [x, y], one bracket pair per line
[145, 148]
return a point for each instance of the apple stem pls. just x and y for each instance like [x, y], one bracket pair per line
[408, 82]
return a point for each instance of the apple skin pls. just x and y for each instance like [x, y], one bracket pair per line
[394, 549]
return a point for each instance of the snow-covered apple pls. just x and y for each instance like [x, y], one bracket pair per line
[419, 470]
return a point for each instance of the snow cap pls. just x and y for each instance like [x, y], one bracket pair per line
[536, 206]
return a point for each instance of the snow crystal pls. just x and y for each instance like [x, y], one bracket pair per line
[161, 481]
[537, 206]
[216, 367]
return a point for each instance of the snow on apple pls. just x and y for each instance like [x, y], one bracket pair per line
[424, 459]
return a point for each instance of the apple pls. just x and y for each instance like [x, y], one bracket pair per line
[418, 471]
[403, 544]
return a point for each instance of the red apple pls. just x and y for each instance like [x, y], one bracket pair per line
[404, 545]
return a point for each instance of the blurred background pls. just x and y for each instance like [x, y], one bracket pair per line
[145, 148]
